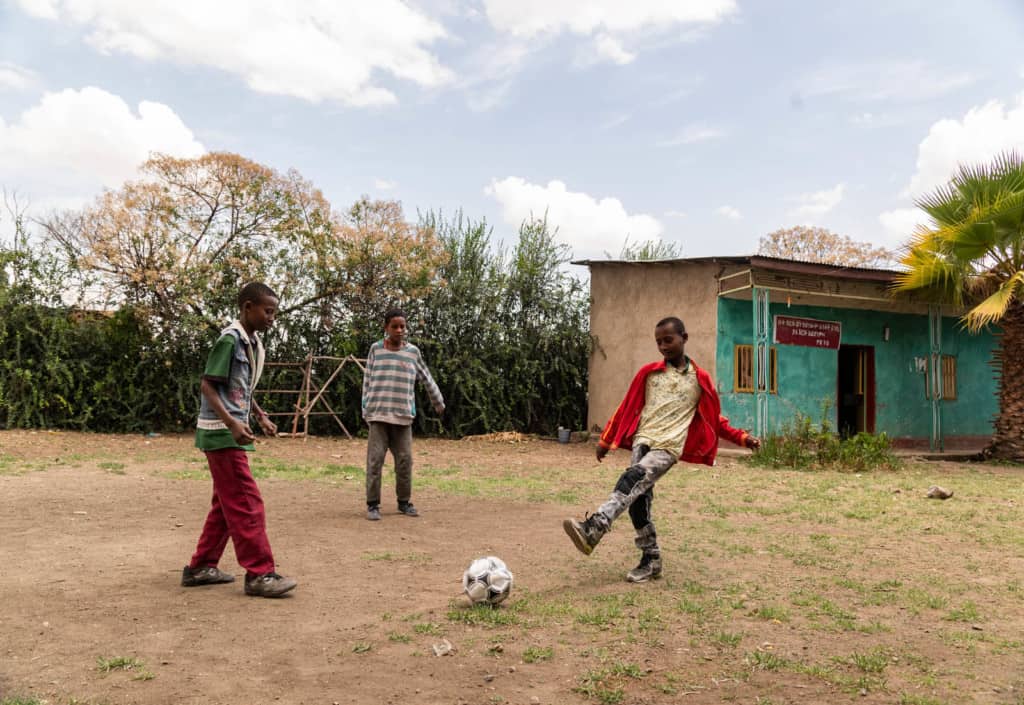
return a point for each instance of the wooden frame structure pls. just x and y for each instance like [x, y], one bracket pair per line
[311, 393]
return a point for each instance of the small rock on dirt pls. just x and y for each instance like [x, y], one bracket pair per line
[936, 492]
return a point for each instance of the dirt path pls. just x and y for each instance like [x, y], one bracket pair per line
[95, 530]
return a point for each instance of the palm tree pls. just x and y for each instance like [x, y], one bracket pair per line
[973, 257]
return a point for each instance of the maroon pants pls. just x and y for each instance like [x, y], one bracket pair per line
[236, 512]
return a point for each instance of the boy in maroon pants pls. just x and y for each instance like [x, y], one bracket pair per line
[232, 370]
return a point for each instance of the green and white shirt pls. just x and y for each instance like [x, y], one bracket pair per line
[389, 393]
[234, 366]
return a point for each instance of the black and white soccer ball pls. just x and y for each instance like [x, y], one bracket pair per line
[487, 581]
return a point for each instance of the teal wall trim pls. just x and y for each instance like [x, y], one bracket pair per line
[807, 376]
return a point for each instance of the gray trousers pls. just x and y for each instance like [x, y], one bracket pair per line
[398, 439]
[635, 491]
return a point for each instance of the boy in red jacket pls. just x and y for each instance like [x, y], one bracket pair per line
[670, 412]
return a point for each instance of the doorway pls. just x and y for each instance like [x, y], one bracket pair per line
[855, 390]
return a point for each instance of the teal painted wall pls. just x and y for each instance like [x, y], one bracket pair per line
[807, 376]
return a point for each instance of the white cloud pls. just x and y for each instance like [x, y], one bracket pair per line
[729, 212]
[982, 134]
[607, 48]
[901, 81]
[813, 205]
[692, 134]
[899, 225]
[675, 214]
[315, 50]
[489, 71]
[531, 18]
[384, 184]
[14, 77]
[589, 225]
[73, 143]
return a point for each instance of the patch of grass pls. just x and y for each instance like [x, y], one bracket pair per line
[766, 661]
[112, 467]
[16, 700]
[399, 637]
[388, 556]
[874, 661]
[430, 628]
[605, 684]
[728, 639]
[907, 699]
[483, 615]
[117, 663]
[533, 654]
[361, 647]
[968, 612]
[771, 613]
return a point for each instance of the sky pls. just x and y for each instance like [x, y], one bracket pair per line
[705, 123]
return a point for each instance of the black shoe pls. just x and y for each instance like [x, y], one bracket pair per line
[407, 509]
[585, 534]
[268, 585]
[649, 569]
[206, 575]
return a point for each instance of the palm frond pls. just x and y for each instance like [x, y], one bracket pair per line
[993, 308]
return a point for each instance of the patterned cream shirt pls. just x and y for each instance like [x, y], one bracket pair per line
[670, 402]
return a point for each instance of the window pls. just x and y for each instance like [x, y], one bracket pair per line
[948, 379]
[743, 369]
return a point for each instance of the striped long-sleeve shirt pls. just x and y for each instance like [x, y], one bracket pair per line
[389, 384]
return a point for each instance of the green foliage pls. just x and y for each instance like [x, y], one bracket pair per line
[806, 446]
[505, 334]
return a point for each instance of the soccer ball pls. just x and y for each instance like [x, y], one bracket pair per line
[487, 581]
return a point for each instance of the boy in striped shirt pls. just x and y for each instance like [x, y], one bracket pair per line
[389, 407]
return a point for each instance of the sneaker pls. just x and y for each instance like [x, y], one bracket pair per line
[206, 575]
[584, 534]
[408, 510]
[268, 585]
[373, 513]
[649, 569]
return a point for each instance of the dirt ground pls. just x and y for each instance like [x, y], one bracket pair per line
[95, 529]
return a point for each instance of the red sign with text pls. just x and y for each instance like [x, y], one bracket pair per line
[790, 330]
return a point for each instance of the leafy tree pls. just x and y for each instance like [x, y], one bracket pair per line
[814, 244]
[181, 240]
[386, 261]
[972, 256]
[648, 250]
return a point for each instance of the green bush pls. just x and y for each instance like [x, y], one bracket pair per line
[506, 337]
[804, 445]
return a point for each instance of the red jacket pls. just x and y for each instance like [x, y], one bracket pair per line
[707, 426]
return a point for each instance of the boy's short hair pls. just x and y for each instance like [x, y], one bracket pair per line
[393, 313]
[254, 291]
[676, 323]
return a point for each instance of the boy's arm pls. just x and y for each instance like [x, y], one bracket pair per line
[366, 375]
[239, 431]
[268, 426]
[433, 391]
[737, 435]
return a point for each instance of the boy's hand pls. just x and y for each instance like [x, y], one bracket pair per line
[752, 442]
[439, 408]
[601, 452]
[267, 426]
[241, 433]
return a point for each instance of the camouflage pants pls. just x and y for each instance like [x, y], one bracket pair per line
[635, 491]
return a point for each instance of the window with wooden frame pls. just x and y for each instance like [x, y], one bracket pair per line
[743, 370]
[948, 379]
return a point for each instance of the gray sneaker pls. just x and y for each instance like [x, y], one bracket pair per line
[269, 585]
[373, 513]
[649, 569]
[204, 575]
[585, 534]
[408, 510]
